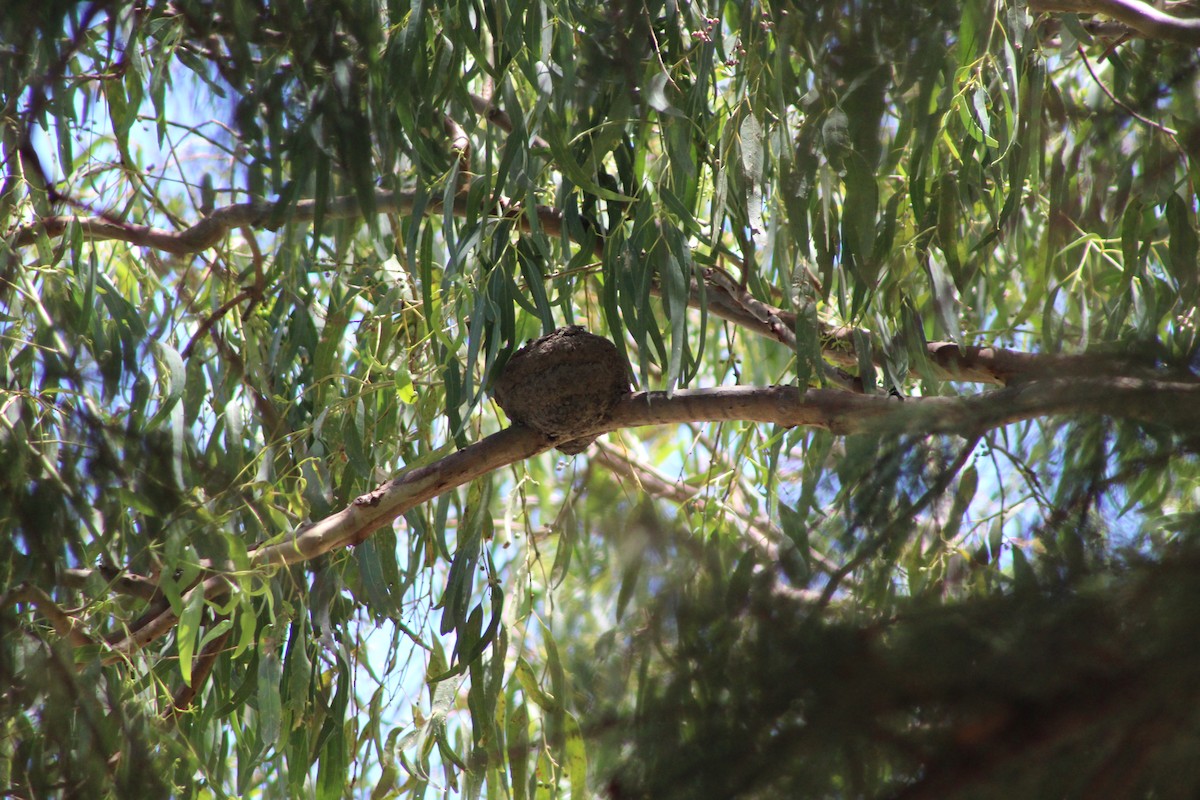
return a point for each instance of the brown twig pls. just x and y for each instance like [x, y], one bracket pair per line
[902, 522]
[1170, 132]
[210, 230]
[460, 144]
[247, 293]
[118, 580]
[484, 107]
[764, 535]
[64, 624]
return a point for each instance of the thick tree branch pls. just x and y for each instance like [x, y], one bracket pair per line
[158, 626]
[1141, 17]
[380, 507]
[1168, 403]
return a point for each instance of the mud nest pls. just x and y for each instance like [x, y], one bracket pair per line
[562, 384]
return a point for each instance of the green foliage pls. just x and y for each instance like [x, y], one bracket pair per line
[388, 198]
[1052, 691]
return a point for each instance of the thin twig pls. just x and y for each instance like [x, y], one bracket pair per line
[1170, 132]
[902, 522]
